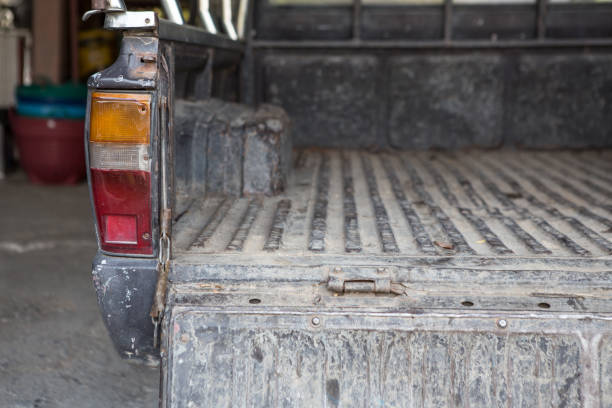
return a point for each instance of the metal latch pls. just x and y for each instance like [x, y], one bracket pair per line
[364, 280]
[163, 268]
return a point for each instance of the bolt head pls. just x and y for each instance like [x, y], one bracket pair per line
[502, 323]
[315, 321]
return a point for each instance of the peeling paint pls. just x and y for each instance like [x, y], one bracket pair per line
[107, 283]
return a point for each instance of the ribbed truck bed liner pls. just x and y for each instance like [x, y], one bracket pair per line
[548, 205]
[476, 278]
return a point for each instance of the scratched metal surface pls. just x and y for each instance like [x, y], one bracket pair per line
[238, 357]
[490, 204]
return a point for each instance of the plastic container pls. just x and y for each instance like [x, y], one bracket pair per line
[50, 110]
[51, 150]
[66, 93]
[66, 101]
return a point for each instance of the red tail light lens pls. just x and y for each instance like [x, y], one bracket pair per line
[120, 170]
[121, 229]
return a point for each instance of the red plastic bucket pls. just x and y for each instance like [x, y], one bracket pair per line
[51, 150]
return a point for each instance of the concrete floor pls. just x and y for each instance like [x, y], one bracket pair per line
[54, 348]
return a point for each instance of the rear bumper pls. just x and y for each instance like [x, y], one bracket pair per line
[125, 288]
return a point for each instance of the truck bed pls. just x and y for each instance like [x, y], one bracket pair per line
[546, 206]
[482, 278]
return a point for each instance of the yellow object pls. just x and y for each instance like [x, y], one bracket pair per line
[97, 50]
[120, 118]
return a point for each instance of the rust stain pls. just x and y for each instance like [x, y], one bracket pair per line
[444, 245]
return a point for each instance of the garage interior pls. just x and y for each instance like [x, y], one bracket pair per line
[54, 348]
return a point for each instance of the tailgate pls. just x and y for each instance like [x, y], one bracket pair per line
[226, 349]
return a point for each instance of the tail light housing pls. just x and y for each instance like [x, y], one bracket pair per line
[120, 171]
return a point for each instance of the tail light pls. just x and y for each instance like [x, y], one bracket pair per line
[120, 171]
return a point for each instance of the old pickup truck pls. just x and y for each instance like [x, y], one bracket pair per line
[358, 203]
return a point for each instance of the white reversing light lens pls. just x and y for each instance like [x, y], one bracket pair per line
[110, 156]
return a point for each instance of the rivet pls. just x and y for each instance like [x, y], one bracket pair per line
[316, 321]
[502, 323]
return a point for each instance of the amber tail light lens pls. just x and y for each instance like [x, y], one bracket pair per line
[120, 171]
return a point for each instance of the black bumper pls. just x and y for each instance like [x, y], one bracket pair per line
[125, 288]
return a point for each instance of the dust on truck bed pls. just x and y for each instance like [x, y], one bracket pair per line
[490, 271]
[456, 207]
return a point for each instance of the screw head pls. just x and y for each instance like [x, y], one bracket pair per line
[146, 235]
[502, 323]
[315, 321]
[147, 20]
